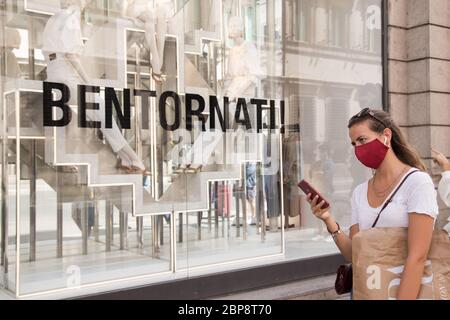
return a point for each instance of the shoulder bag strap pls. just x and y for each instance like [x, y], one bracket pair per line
[390, 198]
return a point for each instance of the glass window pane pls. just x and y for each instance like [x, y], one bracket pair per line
[156, 138]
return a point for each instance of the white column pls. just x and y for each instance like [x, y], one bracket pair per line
[356, 29]
[321, 22]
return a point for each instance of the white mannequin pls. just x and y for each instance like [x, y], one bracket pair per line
[62, 37]
[244, 69]
[243, 63]
[155, 23]
[243, 73]
[241, 79]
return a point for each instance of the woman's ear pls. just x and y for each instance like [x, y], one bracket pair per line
[388, 136]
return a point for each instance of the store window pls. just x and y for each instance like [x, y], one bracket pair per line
[328, 79]
[148, 139]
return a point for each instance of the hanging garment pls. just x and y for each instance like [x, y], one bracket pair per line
[224, 199]
[271, 177]
[272, 195]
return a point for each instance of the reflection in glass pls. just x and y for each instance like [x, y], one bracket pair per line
[99, 205]
[333, 64]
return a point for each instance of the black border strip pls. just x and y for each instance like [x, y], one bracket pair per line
[220, 284]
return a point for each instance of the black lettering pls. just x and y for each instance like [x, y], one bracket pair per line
[213, 108]
[83, 106]
[189, 112]
[162, 110]
[241, 104]
[110, 100]
[282, 128]
[259, 107]
[49, 104]
[145, 95]
[272, 115]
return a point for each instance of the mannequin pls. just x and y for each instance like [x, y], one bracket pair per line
[62, 48]
[244, 69]
[155, 22]
[240, 81]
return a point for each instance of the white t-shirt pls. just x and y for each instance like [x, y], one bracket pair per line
[417, 194]
[62, 33]
[444, 188]
[444, 192]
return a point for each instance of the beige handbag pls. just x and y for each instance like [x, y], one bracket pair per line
[378, 259]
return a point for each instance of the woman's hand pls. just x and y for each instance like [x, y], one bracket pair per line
[322, 214]
[343, 242]
[440, 159]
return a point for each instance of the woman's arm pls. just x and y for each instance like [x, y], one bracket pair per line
[343, 242]
[420, 232]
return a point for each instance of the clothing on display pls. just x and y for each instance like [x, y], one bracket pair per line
[241, 80]
[243, 69]
[62, 33]
[224, 192]
[271, 190]
[271, 181]
[62, 47]
[250, 180]
[154, 20]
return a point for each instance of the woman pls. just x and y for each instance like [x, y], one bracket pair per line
[380, 145]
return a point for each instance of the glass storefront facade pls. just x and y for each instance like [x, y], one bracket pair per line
[141, 139]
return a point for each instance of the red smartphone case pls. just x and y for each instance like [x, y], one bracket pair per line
[307, 188]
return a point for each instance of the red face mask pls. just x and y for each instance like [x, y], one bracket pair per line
[371, 154]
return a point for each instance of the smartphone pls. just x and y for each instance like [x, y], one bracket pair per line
[307, 188]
